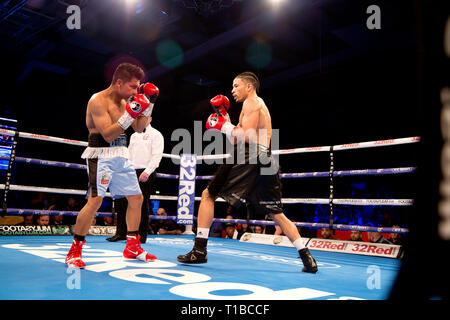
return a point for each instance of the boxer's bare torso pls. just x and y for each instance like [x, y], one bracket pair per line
[104, 110]
[111, 109]
[256, 116]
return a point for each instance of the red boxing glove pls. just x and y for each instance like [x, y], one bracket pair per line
[137, 104]
[220, 104]
[150, 90]
[220, 123]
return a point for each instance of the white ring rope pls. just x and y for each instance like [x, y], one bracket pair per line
[348, 146]
[354, 202]
[381, 171]
[314, 225]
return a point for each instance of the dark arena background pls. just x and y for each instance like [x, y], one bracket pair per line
[332, 73]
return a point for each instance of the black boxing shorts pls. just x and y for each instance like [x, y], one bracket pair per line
[254, 180]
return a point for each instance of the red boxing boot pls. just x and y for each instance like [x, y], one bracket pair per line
[133, 250]
[73, 258]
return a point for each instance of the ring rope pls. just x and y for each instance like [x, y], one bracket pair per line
[354, 202]
[14, 211]
[331, 197]
[11, 160]
[384, 171]
[348, 146]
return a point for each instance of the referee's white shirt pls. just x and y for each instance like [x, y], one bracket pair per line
[146, 149]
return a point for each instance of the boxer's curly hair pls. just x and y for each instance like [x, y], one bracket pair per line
[250, 77]
[127, 71]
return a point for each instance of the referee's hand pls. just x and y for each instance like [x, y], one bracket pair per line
[143, 177]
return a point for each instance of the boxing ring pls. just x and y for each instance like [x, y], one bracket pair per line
[252, 268]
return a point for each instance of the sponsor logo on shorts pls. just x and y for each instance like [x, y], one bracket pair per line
[104, 179]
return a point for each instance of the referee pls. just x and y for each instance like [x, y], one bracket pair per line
[146, 151]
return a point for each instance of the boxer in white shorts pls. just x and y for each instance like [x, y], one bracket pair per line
[116, 173]
[109, 113]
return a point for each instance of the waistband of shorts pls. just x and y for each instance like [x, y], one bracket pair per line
[255, 147]
[105, 153]
[96, 140]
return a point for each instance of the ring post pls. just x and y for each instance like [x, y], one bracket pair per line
[186, 191]
[12, 158]
[331, 189]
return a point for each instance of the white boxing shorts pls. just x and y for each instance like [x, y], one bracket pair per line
[117, 174]
[109, 168]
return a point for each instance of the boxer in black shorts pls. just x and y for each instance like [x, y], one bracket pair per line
[253, 175]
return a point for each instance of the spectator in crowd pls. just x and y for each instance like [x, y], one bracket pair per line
[321, 213]
[40, 202]
[146, 149]
[231, 232]
[154, 224]
[245, 228]
[229, 211]
[108, 220]
[52, 203]
[386, 220]
[56, 220]
[100, 221]
[377, 237]
[397, 238]
[258, 229]
[270, 229]
[355, 235]
[229, 216]
[167, 226]
[43, 220]
[216, 229]
[326, 233]
[28, 220]
[71, 205]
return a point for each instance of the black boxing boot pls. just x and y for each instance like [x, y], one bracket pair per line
[120, 206]
[143, 237]
[309, 262]
[116, 237]
[197, 255]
